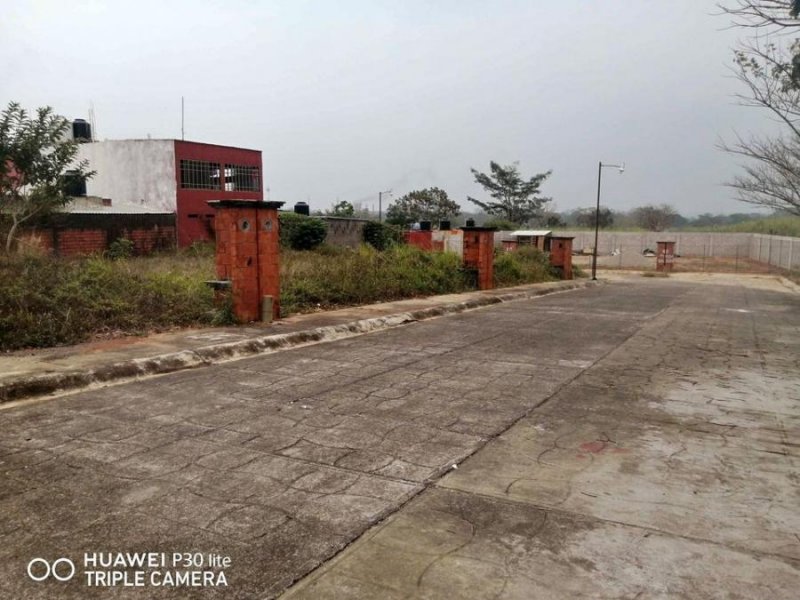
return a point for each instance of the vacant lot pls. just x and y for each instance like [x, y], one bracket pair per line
[48, 302]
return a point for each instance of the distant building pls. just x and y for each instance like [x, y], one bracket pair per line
[175, 176]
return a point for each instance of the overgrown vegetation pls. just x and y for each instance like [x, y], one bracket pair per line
[525, 265]
[340, 276]
[48, 301]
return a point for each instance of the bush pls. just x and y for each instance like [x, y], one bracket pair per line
[120, 248]
[524, 265]
[381, 236]
[300, 232]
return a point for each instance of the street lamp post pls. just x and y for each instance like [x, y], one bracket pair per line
[600, 166]
[380, 204]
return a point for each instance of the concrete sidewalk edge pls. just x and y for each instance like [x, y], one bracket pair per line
[32, 386]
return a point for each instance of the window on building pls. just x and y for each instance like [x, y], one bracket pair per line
[199, 175]
[242, 178]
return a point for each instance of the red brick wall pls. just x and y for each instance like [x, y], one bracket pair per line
[76, 241]
[72, 242]
[146, 241]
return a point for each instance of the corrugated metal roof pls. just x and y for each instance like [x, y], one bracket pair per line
[79, 207]
[531, 232]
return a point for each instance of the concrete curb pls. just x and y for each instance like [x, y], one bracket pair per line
[32, 386]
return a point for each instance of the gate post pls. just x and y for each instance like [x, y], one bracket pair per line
[478, 254]
[248, 255]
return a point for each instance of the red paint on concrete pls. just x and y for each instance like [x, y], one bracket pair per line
[420, 239]
[200, 226]
[593, 447]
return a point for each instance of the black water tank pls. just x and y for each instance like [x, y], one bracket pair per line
[470, 223]
[301, 208]
[444, 225]
[81, 131]
[424, 225]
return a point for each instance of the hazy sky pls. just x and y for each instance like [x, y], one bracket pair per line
[348, 98]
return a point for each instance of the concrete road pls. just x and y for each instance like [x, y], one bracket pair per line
[637, 440]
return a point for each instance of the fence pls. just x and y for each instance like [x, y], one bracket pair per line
[625, 249]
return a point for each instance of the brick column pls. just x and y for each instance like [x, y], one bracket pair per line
[269, 257]
[247, 254]
[561, 255]
[479, 254]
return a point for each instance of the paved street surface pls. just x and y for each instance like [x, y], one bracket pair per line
[634, 440]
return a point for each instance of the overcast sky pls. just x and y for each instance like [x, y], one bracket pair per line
[348, 98]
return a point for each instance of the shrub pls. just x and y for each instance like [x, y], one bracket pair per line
[524, 265]
[381, 236]
[120, 248]
[300, 232]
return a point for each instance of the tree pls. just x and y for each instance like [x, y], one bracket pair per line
[654, 218]
[37, 166]
[770, 73]
[585, 217]
[342, 209]
[300, 232]
[431, 204]
[516, 198]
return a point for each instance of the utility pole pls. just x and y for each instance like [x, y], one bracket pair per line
[597, 214]
[380, 204]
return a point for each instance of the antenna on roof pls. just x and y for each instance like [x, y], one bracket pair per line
[182, 119]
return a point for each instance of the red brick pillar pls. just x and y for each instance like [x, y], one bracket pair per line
[665, 256]
[247, 254]
[479, 254]
[561, 255]
[269, 255]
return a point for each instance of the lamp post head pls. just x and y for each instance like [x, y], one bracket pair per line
[622, 168]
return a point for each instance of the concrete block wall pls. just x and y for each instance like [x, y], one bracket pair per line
[344, 231]
[778, 251]
[686, 243]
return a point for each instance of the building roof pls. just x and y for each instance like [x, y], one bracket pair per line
[531, 232]
[136, 140]
[93, 205]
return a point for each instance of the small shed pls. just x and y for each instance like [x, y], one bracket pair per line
[532, 237]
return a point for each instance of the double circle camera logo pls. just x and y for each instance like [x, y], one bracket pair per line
[62, 569]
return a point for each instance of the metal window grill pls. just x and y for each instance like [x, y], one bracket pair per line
[199, 175]
[242, 178]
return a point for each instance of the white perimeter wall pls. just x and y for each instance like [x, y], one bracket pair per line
[783, 252]
[132, 171]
